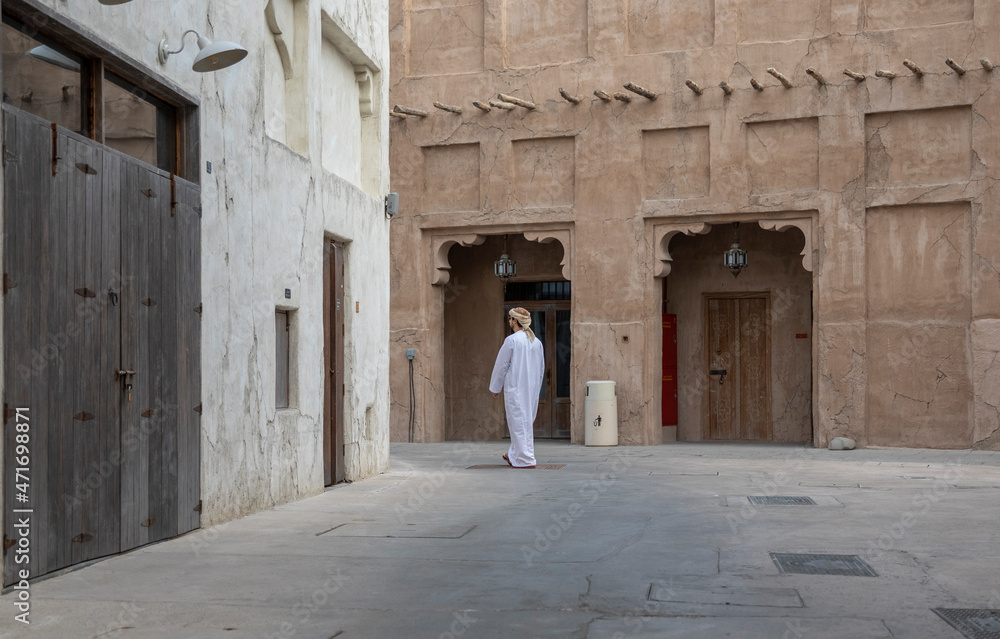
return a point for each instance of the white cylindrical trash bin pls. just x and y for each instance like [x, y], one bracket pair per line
[600, 411]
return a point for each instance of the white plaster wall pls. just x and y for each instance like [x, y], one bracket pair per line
[266, 211]
[341, 134]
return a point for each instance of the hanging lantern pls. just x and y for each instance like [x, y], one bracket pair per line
[505, 268]
[735, 259]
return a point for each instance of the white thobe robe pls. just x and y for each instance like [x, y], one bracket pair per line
[519, 370]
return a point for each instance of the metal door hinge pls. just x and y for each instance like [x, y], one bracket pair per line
[8, 284]
[149, 522]
[82, 538]
[55, 149]
[197, 508]
[173, 195]
[8, 412]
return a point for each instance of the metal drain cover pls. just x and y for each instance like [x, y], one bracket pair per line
[847, 565]
[781, 501]
[505, 466]
[973, 624]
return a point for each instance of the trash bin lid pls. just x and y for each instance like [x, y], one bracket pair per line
[601, 389]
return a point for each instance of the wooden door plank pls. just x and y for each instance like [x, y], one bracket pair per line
[107, 334]
[151, 376]
[33, 207]
[166, 349]
[14, 331]
[723, 351]
[57, 290]
[328, 362]
[755, 422]
[339, 340]
[188, 252]
[543, 329]
[135, 467]
[27, 182]
[77, 413]
[563, 357]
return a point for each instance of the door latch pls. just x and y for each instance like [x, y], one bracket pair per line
[126, 376]
[721, 373]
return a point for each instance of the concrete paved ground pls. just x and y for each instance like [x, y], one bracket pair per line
[620, 543]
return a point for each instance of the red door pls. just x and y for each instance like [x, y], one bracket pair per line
[669, 395]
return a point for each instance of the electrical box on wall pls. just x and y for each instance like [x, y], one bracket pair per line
[391, 205]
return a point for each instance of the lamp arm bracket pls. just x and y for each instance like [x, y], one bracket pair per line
[165, 52]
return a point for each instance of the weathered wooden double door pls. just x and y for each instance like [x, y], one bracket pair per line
[739, 369]
[102, 309]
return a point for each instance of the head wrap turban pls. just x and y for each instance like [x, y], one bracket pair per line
[523, 318]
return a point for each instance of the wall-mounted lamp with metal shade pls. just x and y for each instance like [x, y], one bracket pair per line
[47, 54]
[212, 57]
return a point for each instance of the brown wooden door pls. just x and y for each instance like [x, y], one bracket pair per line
[560, 353]
[78, 260]
[333, 329]
[738, 361]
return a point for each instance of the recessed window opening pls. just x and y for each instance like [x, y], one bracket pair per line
[51, 79]
[42, 77]
[282, 358]
[139, 124]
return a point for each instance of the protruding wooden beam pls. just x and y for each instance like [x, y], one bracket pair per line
[781, 77]
[506, 106]
[602, 95]
[885, 73]
[756, 85]
[816, 75]
[624, 97]
[518, 101]
[987, 65]
[726, 87]
[954, 65]
[635, 88]
[482, 107]
[401, 116]
[448, 107]
[691, 84]
[409, 111]
[569, 98]
[917, 71]
[858, 77]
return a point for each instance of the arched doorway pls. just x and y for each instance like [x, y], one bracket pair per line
[744, 344]
[475, 304]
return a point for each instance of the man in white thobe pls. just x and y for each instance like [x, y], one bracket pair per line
[519, 370]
